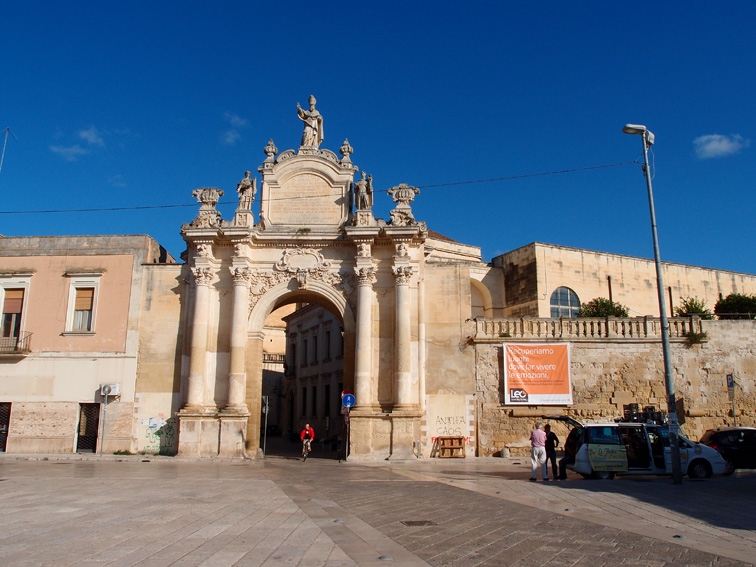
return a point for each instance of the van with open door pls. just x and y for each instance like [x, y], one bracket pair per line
[607, 449]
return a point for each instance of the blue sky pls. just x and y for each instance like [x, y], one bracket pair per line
[135, 104]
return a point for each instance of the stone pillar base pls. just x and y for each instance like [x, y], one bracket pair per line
[233, 435]
[198, 435]
[204, 436]
[383, 436]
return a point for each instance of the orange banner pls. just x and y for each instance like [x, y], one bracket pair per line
[536, 374]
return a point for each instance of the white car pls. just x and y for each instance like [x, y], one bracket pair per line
[606, 449]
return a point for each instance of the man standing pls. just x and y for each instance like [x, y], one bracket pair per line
[552, 442]
[538, 453]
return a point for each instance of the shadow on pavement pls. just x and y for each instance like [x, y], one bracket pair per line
[723, 501]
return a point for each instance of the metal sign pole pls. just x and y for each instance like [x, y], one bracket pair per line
[265, 433]
[105, 393]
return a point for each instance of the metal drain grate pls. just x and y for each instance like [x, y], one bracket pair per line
[415, 523]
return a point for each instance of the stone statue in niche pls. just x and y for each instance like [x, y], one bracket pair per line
[312, 136]
[363, 193]
[247, 189]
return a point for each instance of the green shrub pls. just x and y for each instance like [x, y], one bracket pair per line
[695, 338]
[736, 306]
[602, 307]
[693, 306]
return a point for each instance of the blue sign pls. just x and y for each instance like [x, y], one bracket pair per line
[348, 400]
[730, 381]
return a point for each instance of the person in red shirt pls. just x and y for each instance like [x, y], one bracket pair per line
[307, 436]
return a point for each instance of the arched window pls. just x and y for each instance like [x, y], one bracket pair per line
[564, 303]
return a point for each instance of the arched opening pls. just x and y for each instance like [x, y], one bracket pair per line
[307, 333]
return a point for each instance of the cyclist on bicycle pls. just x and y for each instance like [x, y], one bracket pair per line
[307, 436]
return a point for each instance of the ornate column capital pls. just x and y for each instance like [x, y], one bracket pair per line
[242, 275]
[203, 275]
[403, 274]
[365, 275]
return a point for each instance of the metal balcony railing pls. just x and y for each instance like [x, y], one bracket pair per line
[16, 345]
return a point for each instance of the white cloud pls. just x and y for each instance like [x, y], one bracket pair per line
[235, 120]
[716, 145]
[70, 153]
[232, 135]
[92, 136]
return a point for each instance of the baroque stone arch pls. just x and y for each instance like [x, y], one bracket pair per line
[308, 246]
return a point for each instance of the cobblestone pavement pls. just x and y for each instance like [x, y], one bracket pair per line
[119, 512]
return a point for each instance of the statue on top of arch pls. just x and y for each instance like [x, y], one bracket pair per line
[312, 136]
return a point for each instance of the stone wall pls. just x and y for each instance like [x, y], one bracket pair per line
[48, 427]
[612, 372]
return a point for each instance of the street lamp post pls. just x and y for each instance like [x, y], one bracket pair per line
[648, 140]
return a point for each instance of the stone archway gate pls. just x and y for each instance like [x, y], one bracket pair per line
[316, 241]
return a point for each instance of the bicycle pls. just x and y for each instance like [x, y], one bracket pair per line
[305, 448]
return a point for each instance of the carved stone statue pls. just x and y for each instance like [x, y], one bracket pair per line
[247, 189]
[312, 136]
[363, 193]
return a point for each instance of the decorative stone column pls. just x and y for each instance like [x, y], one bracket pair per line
[237, 377]
[403, 339]
[204, 273]
[363, 383]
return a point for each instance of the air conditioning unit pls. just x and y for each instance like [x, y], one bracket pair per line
[110, 390]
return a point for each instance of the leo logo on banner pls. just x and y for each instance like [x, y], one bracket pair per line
[537, 374]
[518, 394]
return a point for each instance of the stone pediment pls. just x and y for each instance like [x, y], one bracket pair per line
[309, 191]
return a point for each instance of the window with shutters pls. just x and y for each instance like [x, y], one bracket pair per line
[13, 305]
[14, 297]
[82, 303]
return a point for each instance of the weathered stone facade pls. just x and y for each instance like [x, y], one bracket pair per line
[608, 373]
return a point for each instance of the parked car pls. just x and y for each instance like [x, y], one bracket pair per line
[607, 449]
[736, 444]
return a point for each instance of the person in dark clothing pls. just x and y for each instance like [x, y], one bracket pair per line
[552, 442]
[570, 450]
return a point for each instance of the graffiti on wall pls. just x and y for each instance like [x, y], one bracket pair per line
[159, 435]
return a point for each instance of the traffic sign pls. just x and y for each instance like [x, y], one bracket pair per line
[345, 392]
[348, 400]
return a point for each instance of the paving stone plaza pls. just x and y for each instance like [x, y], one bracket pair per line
[160, 511]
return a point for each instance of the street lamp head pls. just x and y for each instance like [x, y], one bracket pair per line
[640, 130]
[634, 129]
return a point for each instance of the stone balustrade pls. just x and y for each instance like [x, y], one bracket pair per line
[583, 329]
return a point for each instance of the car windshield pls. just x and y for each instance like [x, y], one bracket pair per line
[683, 441]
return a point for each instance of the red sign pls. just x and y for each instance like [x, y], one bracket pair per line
[345, 392]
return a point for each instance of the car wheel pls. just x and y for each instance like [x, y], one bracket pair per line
[729, 467]
[603, 475]
[699, 469]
